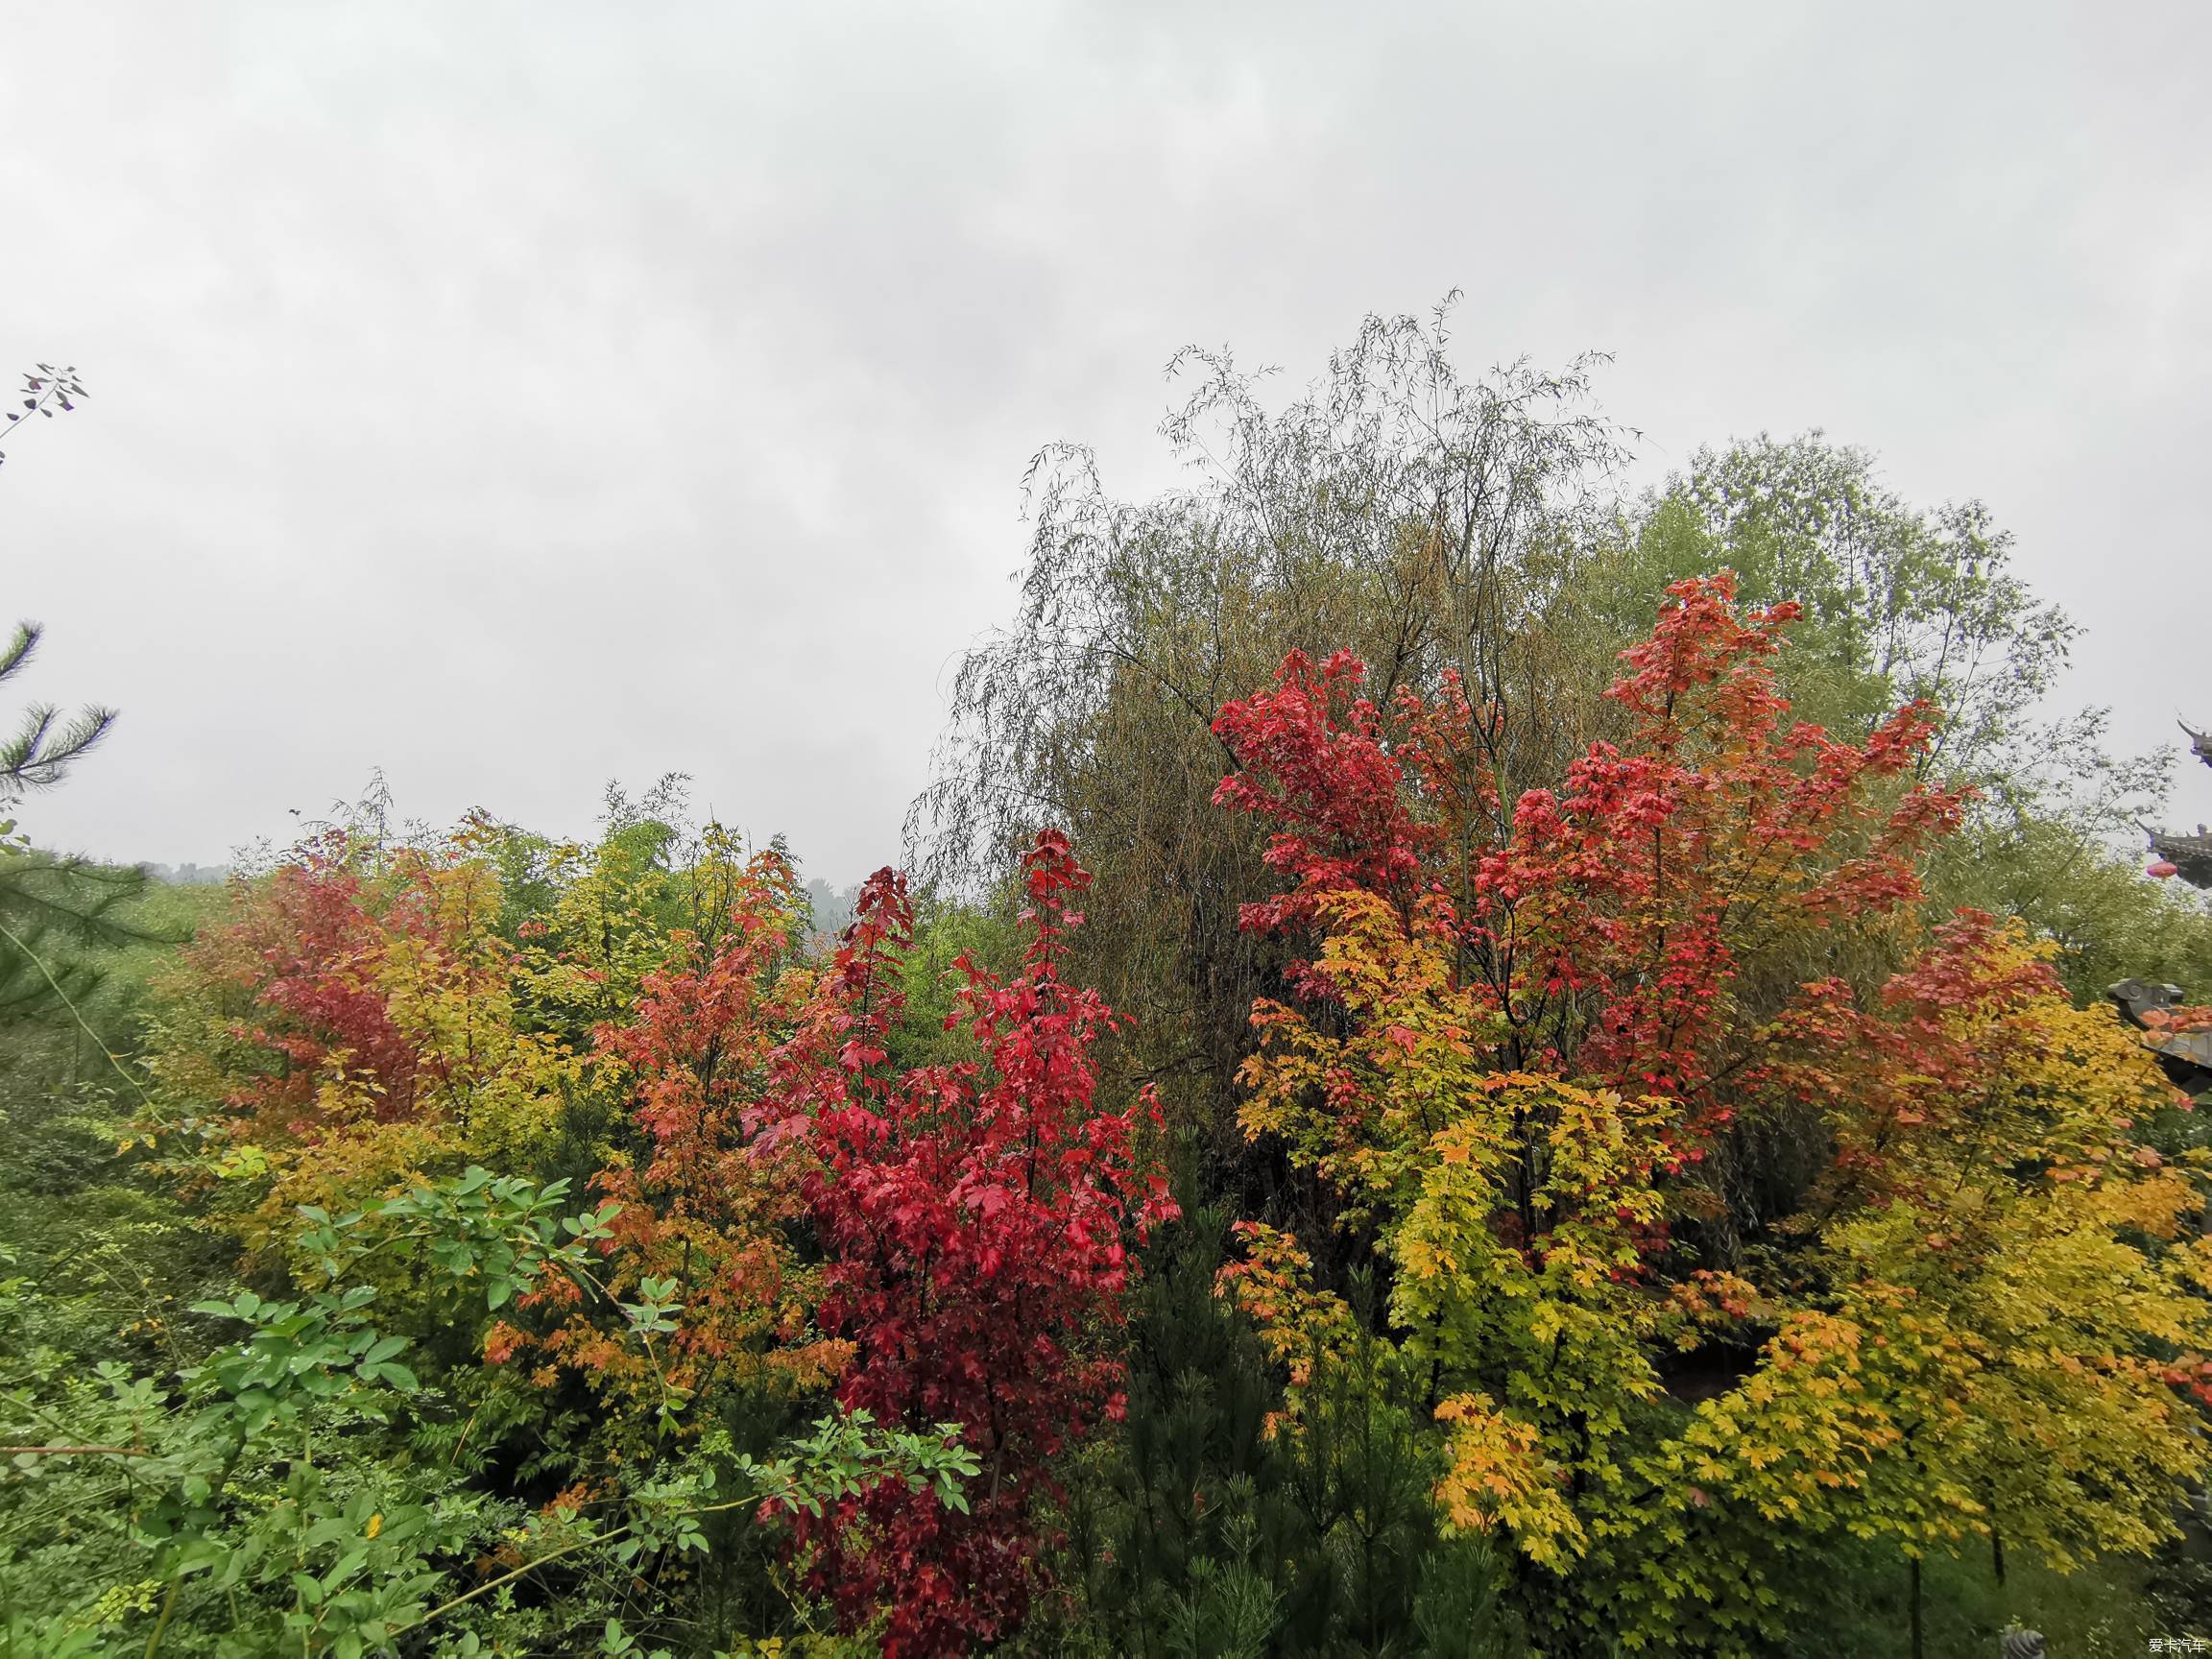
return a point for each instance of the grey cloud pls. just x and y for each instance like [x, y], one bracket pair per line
[512, 395]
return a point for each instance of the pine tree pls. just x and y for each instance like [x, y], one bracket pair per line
[41, 752]
[1194, 1533]
[52, 906]
[1221, 1526]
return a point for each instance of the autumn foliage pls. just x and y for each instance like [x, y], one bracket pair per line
[310, 995]
[1544, 1054]
[352, 1018]
[703, 1199]
[978, 1220]
[780, 1211]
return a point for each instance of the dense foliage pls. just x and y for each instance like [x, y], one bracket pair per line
[1546, 1060]
[1478, 1064]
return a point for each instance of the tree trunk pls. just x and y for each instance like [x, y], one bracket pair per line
[1918, 1650]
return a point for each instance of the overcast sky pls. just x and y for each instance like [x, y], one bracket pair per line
[516, 397]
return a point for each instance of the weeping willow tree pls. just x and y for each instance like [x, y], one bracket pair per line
[1425, 520]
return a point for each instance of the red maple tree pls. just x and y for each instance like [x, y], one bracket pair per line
[975, 1217]
[1636, 928]
[707, 1192]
